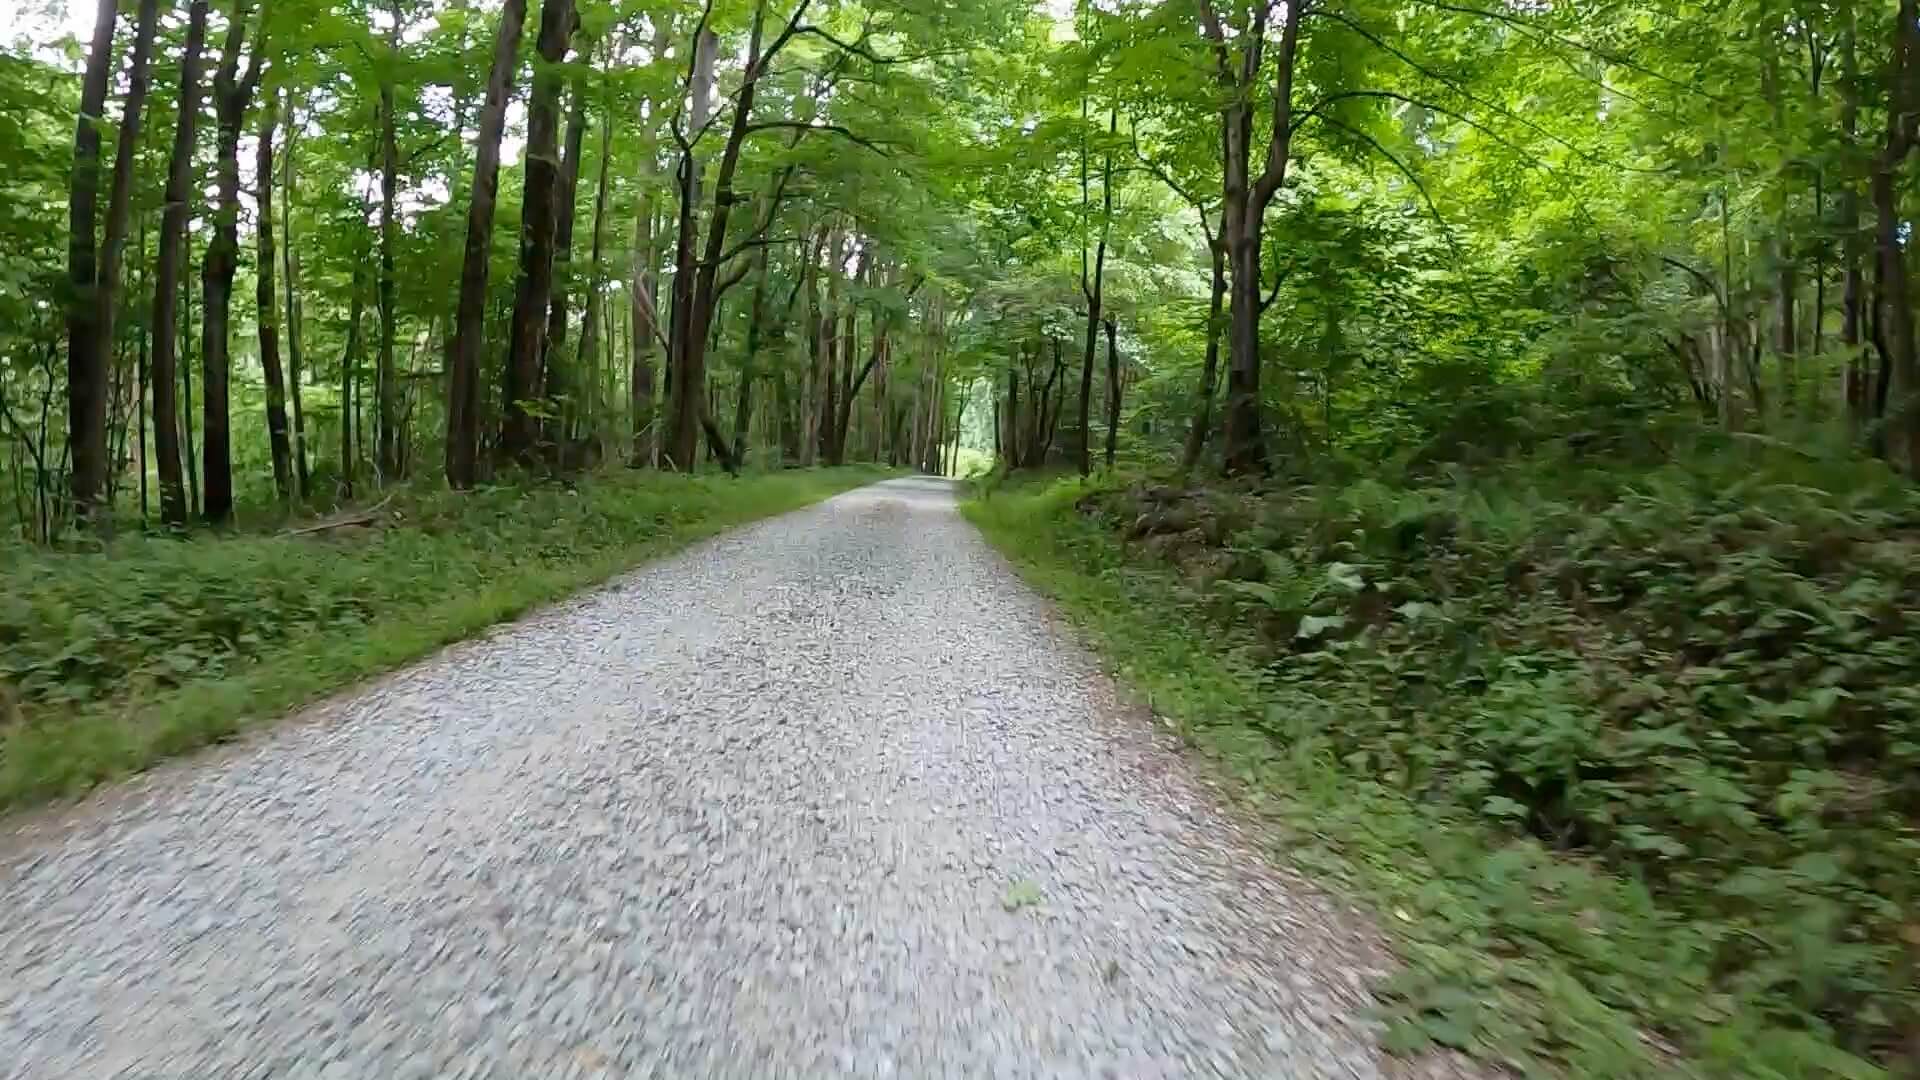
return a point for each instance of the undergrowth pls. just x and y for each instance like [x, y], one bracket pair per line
[110, 660]
[1627, 759]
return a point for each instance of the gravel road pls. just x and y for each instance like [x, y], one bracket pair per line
[831, 795]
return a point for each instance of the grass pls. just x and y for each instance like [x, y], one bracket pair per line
[1536, 960]
[113, 660]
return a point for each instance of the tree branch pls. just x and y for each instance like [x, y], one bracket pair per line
[1526, 26]
[1416, 65]
[804, 127]
[1446, 231]
[1275, 172]
[1210, 25]
[859, 49]
[1712, 288]
[1166, 178]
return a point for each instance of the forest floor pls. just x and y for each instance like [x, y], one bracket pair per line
[1381, 671]
[833, 794]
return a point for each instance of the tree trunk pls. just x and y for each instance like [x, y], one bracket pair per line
[1092, 290]
[555, 383]
[91, 322]
[386, 388]
[643, 285]
[86, 352]
[290, 264]
[538, 211]
[1896, 297]
[685, 390]
[590, 329]
[756, 327]
[644, 282]
[265, 301]
[232, 92]
[463, 374]
[140, 388]
[349, 366]
[1113, 390]
[1244, 202]
[825, 341]
[1210, 370]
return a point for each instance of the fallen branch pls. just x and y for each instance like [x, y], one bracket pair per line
[364, 517]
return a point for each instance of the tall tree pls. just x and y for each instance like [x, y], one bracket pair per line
[1239, 69]
[290, 264]
[169, 271]
[266, 301]
[91, 313]
[555, 382]
[386, 392]
[232, 93]
[1092, 285]
[469, 328]
[538, 211]
[591, 335]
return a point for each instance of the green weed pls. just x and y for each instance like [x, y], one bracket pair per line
[1624, 766]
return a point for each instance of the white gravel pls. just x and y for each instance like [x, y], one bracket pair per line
[832, 795]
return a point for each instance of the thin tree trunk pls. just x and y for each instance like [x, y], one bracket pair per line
[538, 211]
[349, 366]
[386, 392]
[232, 92]
[1852, 289]
[265, 300]
[756, 319]
[463, 374]
[186, 390]
[140, 386]
[1896, 298]
[555, 383]
[290, 262]
[169, 274]
[86, 351]
[97, 304]
[591, 332]
[1092, 290]
[1113, 390]
[1202, 424]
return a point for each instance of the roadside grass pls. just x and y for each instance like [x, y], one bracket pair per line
[1538, 961]
[113, 660]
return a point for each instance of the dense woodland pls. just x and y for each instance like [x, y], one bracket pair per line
[1534, 386]
[747, 233]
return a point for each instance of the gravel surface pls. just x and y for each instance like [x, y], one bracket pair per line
[832, 795]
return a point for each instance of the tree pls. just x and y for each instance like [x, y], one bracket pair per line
[538, 215]
[266, 301]
[463, 375]
[232, 93]
[1245, 195]
[169, 270]
[96, 282]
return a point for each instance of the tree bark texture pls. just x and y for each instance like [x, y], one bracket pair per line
[538, 211]
[463, 375]
[232, 92]
[266, 303]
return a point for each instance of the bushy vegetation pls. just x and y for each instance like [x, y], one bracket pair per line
[163, 645]
[1668, 715]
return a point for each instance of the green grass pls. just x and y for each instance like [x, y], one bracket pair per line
[113, 660]
[1536, 959]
